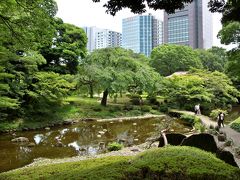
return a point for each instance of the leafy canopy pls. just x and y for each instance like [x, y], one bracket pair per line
[169, 58]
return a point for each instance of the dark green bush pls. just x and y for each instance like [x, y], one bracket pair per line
[136, 99]
[190, 119]
[146, 108]
[97, 109]
[236, 124]
[128, 107]
[114, 146]
[163, 108]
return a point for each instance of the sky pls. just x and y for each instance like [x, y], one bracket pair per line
[86, 13]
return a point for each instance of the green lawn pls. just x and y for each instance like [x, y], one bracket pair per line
[171, 162]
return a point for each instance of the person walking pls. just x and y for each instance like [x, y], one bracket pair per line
[220, 118]
[197, 109]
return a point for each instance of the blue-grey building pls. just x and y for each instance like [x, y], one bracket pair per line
[190, 26]
[141, 33]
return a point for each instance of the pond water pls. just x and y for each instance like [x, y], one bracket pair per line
[79, 139]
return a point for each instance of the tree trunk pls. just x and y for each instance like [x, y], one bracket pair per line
[104, 98]
[91, 90]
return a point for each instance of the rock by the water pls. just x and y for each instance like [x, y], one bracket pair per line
[134, 124]
[122, 141]
[101, 132]
[172, 138]
[136, 139]
[227, 157]
[20, 139]
[47, 128]
[67, 122]
[221, 137]
[99, 136]
[31, 144]
[203, 141]
[104, 130]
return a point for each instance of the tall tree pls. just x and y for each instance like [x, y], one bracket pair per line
[169, 58]
[66, 50]
[117, 70]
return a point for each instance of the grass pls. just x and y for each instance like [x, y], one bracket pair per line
[170, 162]
[78, 107]
[235, 124]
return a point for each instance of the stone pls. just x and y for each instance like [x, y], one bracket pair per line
[172, 138]
[59, 144]
[104, 130]
[227, 157]
[221, 137]
[31, 144]
[135, 131]
[47, 128]
[134, 124]
[101, 145]
[101, 132]
[99, 136]
[20, 139]
[122, 141]
[67, 122]
[203, 141]
[135, 149]
[135, 139]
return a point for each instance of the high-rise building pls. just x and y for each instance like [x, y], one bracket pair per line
[190, 26]
[107, 38]
[102, 38]
[141, 33]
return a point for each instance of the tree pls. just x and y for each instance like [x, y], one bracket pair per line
[221, 53]
[230, 35]
[139, 6]
[210, 61]
[117, 70]
[211, 89]
[67, 48]
[169, 58]
[23, 23]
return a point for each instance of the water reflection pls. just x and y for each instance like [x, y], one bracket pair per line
[79, 139]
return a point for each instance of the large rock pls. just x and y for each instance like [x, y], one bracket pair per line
[172, 138]
[20, 139]
[203, 141]
[227, 157]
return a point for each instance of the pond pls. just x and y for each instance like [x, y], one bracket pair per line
[79, 139]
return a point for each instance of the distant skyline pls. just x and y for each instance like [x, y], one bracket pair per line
[86, 13]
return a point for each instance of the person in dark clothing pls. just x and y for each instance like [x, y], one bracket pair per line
[220, 118]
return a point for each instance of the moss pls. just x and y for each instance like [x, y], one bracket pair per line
[171, 162]
[236, 124]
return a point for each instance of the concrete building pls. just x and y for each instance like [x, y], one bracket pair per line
[107, 38]
[141, 33]
[102, 38]
[190, 26]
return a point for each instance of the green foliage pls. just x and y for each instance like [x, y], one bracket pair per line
[170, 58]
[114, 70]
[114, 146]
[64, 52]
[190, 119]
[214, 113]
[171, 162]
[236, 124]
[24, 24]
[211, 89]
[146, 108]
[210, 61]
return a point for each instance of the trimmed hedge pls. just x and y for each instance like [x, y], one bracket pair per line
[236, 124]
[171, 162]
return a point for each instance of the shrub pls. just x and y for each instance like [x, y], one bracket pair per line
[114, 146]
[153, 100]
[214, 113]
[190, 119]
[128, 107]
[136, 99]
[97, 109]
[163, 108]
[146, 108]
[236, 124]
[115, 109]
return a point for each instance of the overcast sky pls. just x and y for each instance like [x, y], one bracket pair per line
[86, 13]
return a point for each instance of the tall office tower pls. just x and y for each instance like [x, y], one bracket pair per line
[107, 38]
[190, 26]
[91, 35]
[141, 33]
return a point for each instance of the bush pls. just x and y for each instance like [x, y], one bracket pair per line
[163, 108]
[97, 109]
[146, 108]
[114, 146]
[153, 100]
[236, 124]
[136, 99]
[128, 107]
[214, 113]
[115, 109]
[190, 119]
